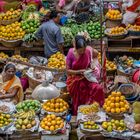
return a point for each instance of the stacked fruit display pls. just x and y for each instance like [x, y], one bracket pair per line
[11, 14]
[117, 31]
[30, 26]
[18, 57]
[25, 120]
[94, 30]
[114, 14]
[90, 108]
[57, 61]
[12, 31]
[114, 125]
[110, 65]
[28, 105]
[135, 28]
[67, 34]
[91, 125]
[116, 103]
[5, 119]
[3, 55]
[52, 123]
[57, 105]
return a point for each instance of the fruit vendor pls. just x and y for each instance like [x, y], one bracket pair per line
[66, 6]
[132, 13]
[81, 90]
[51, 33]
[10, 86]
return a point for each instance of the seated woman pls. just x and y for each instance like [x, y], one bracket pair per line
[10, 86]
[66, 6]
[81, 90]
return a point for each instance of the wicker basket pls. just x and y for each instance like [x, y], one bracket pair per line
[116, 116]
[7, 22]
[112, 23]
[33, 83]
[121, 36]
[11, 44]
[124, 74]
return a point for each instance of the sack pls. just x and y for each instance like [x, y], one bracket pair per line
[129, 17]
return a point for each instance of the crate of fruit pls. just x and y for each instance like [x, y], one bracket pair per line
[116, 33]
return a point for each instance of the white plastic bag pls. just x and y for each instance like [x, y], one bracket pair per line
[129, 17]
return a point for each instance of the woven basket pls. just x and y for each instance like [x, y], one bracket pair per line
[33, 83]
[115, 36]
[7, 22]
[11, 44]
[112, 23]
[124, 74]
[116, 116]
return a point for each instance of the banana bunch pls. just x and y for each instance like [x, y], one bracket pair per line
[25, 115]
[90, 108]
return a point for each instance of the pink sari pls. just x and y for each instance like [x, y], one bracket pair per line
[81, 90]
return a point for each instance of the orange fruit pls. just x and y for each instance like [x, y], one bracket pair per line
[112, 110]
[117, 110]
[123, 109]
[43, 126]
[52, 128]
[117, 105]
[62, 125]
[58, 122]
[126, 107]
[122, 98]
[108, 103]
[48, 124]
[51, 105]
[113, 93]
[104, 106]
[122, 104]
[57, 105]
[118, 93]
[58, 118]
[56, 127]
[112, 105]
[117, 99]
[57, 110]
[108, 109]
[46, 128]
[112, 99]
[53, 116]
[53, 123]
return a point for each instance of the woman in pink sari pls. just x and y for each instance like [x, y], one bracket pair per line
[81, 90]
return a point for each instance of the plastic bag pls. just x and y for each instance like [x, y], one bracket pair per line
[38, 60]
[129, 17]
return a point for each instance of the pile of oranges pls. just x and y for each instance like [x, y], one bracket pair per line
[57, 61]
[116, 103]
[57, 105]
[117, 31]
[113, 14]
[52, 123]
[12, 31]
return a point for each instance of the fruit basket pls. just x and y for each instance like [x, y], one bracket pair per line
[57, 106]
[51, 125]
[26, 124]
[116, 36]
[11, 43]
[7, 22]
[28, 105]
[6, 121]
[92, 127]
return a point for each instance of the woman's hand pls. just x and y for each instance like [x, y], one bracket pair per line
[81, 71]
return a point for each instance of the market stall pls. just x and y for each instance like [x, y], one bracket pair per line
[49, 116]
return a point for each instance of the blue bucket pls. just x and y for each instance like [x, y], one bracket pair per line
[18, 74]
